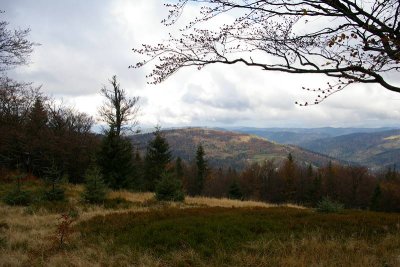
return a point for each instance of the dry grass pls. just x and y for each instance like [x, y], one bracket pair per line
[225, 203]
[133, 197]
[26, 240]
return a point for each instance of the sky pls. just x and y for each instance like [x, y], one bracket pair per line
[83, 43]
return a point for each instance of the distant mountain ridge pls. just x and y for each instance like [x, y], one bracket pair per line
[375, 150]
[298, 136]
[230, 149]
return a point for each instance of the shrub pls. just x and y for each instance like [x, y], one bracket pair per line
[54, 179]
[18, 197]
[329, 206]
[169, 188]
[95, 188]
[235, 191]
[55, 194]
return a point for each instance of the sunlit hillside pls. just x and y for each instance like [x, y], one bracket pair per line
[230, 149]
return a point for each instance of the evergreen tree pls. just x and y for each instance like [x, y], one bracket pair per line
[330, 181]
[37, 138]
[376, 198]
[53, 178]
[288, 174]
[201, 165]
[138, 173]
[95, 188]
[169, 188]
[234, 191]
[314, 194]
[116, 153]
[179, 168]
[115, 160]
[157, 157]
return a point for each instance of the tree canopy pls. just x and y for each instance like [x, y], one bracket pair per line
[348, 40]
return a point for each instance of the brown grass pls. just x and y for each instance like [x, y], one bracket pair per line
[25, 240]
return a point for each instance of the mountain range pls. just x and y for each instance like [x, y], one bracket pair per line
[229, 149]
[298, 136]
[375, 150]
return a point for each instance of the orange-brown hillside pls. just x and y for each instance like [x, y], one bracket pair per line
[229, 149]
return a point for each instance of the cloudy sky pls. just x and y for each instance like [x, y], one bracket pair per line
[85, 42]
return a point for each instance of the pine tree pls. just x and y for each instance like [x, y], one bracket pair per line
[53, 178]
[37, 136]
[116, 153]
[376, 198]
[288, 172]
[201, 165]
[179, 168]
[330, 181]
[169, 188]
[157, 158]
[115, 160]
[138, 172]
[95, 188]
[234, 191]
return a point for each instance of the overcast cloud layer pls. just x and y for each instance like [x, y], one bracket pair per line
[84, 43]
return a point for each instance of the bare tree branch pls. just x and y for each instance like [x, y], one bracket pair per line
[353, 41]
[118, 111]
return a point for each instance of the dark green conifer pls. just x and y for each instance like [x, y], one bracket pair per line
[234, 191]
[157, 158]
[201, 165]
[95, 188]
[115, 160]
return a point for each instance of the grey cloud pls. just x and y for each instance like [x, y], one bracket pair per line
[226, 97]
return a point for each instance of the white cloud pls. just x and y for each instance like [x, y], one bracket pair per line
[84, 43]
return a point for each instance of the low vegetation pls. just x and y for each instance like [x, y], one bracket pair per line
[135, 229]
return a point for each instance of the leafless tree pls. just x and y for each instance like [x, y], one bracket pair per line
[353, 41]
[118, 111]
[14, 47]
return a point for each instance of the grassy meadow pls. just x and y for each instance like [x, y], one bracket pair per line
[133, 229]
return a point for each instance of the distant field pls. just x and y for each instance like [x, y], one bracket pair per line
[133, 229]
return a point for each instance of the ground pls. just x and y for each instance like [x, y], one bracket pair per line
[132, 229]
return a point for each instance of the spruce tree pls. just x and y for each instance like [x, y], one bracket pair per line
[376, 198]
[157, 158]
[179, 168]
[115, 159]
[201, 165]
[53, 178]
[169, 188]
[234, 191]
[95, 188]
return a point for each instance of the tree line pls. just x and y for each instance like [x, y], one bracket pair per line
[54, 142]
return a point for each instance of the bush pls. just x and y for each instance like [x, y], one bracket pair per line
[54, 179]
[329, 206]
[235, 192]
[95, 188]
[169, 188]
[55, 194]
[18, 197]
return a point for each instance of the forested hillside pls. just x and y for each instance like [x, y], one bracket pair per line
[374, 150]
[298, 136]
[230, 149]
